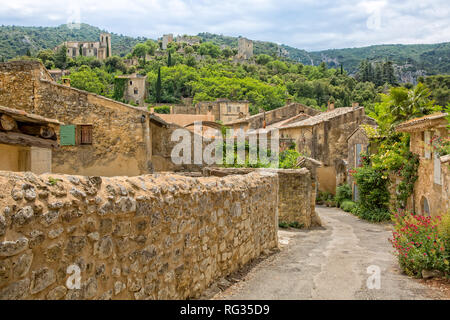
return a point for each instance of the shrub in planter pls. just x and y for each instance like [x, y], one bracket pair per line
[419, 245]
[348, 205]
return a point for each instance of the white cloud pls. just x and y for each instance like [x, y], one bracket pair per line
[306, 24]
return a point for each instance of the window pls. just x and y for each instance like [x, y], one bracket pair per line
[427, 144]
[229, 109]
[71, 135]
[84, 134]
[437, 167]
[131, 82]
[136, 91]
[425, 207]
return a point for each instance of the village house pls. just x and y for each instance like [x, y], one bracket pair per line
[224, 110]
[166, 39]
[26, 141]
[359, 141]
[136, 88]
[98, 49]
[432, 189]
[265, 119]
[323, 137]
[100, 136]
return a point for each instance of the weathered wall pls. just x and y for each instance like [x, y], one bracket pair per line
[147, 237]
[425, 186]
[296, 192]
[257, 121]
[9, 157]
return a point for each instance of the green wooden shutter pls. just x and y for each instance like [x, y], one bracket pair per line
[67, 135]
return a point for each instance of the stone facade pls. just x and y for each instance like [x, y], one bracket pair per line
[167, 38]
[324, 137]
[268, 118]
[222, 109]
[245, 48]
[136, 88]
[296, 192]
[100, 49]
[147, 237]
[430, 195]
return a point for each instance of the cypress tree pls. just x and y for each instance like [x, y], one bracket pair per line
[342, 69]
[158, 86]
[169, 60]
[28, 52]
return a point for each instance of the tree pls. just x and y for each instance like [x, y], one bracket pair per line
[158, 86]
[90, 80]
[61, 57]
[114, 64]
[263, 59]
[140, 50]
[28, 54]
[169, 60]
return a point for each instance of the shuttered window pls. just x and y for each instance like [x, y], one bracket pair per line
[85, 134]
[427, 145]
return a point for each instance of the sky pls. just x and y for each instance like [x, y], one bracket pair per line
[305, 24]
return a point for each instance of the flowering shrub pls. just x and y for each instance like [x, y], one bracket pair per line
[418, 244]
[440, 146]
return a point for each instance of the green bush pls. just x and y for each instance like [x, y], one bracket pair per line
[348, 205]
[162, 109]
[372, 214]
[343, 192]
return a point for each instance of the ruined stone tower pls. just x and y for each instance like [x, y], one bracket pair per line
[167, 38]
[105, 46]
[245, 48]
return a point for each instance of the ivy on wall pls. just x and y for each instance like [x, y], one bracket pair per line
[409, 175]
[119, 88]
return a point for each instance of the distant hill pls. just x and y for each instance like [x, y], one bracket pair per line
[16, 40]
[410, 61]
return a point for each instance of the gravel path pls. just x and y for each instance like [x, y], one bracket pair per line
[330, 263]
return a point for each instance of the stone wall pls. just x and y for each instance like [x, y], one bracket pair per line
[147, 237]
[296, 193]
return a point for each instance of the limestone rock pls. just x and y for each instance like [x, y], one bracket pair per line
[41, 279]
[16, 290]
[11, 248]
[23, 216]
[23, 265]
[57, 293]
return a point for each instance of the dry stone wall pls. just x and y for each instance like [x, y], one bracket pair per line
[296, 193]
[161, 236]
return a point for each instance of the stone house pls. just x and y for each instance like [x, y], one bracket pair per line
[26, 141]
[431, 190]
[136, 88]
[99, 49]
[100, 136]
[266, 119]
[224, 110]
[324, 137]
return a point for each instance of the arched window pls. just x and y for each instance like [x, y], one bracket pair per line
[424, 206]
[136, 91]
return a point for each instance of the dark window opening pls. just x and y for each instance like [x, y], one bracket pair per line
[85, 134]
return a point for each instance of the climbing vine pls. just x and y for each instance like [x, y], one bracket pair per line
[408, 172]
[119, 88]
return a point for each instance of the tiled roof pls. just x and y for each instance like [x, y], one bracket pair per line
[320, 118]
[424, 121]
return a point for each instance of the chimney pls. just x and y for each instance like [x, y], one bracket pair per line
[355, 105]
[66, 82]
[330, 106]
